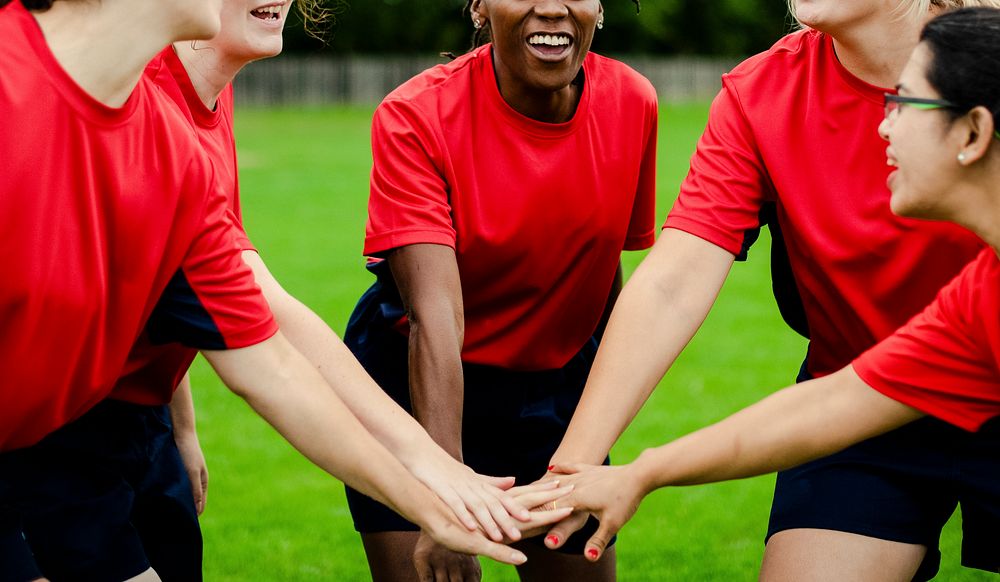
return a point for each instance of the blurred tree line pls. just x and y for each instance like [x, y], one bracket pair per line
[703, 27]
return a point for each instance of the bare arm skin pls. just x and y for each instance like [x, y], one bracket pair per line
[288, 392]
[664, 303]
[461, 488]
[798, 424]
[186, 437]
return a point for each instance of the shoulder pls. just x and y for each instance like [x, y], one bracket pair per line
[442, 82]
[608, 73]
[792, 53]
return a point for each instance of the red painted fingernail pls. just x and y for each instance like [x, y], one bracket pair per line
[592, 553]
[553, 540]
[551, 467]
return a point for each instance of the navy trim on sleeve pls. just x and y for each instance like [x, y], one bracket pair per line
[179, 316]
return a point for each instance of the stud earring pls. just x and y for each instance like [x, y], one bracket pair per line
[600, 24]
[961, 157]
[476, 23]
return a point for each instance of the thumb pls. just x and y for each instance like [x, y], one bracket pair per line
[503, 483]
[567, 468]
[598, 542]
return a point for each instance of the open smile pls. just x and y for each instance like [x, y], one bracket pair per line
[270, 13]
[550, 46]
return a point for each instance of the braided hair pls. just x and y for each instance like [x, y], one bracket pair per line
[482, 35]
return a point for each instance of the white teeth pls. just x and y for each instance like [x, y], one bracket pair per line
[549, 40]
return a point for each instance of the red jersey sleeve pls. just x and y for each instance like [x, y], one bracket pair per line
[213, 301]
[721, 196]
[409, 195]
[642, 227]
[944, 361]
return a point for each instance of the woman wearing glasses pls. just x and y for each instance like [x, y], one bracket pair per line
[945, 362]
[860, 271]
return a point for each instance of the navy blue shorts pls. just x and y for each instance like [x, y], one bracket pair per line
[103, 498]
[532, 409]
[903, 486]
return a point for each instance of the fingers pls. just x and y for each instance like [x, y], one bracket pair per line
[204, 490]
[543, 499]
[502, 483]
[599, 541]
[498, 552]
[560, 533]
[458, 506]
[501, 515]
[540, 520]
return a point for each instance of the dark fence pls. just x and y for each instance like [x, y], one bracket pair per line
[365, 80]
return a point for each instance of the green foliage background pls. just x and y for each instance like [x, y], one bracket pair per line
[273, 516]
[703, 27]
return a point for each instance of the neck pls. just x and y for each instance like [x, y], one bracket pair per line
[979, 197]
[876, 52]
[104, 46]
[209, 70]
[548, 106]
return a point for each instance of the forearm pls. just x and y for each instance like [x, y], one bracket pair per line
[437, 390]
[312, 337]
[182, 409]
[284, 388]
[657, 313]
[795, 425]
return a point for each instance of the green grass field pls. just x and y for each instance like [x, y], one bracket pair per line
[273, 516]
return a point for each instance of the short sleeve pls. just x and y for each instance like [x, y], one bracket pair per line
[943, 362]
[212, 301]
[721, 197]
[642, 226]
[408, 202]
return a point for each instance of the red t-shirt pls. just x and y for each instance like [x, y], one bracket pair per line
[946, 360]
[154, 370]
[538, 213]
[108, 218]
[793, 126]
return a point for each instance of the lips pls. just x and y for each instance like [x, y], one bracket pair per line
[268, 13]
[550, 46]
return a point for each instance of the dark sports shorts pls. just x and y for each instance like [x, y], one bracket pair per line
[103, 498]
[903, 486]
[532, 410]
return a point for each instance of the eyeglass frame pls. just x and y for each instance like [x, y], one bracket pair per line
[921, 103]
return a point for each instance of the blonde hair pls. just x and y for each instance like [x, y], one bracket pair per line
[918, 8]
[317, 16]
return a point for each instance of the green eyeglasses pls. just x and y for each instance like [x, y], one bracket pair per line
[894, 102]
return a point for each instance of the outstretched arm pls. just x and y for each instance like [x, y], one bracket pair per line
[797, 424]
[661, 307]
[288, 392]
[465, 492]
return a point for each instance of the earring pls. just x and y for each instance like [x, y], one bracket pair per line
[476, 23]
[961, 157]
[600, 24]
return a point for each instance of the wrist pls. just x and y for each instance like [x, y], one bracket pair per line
[646, 472]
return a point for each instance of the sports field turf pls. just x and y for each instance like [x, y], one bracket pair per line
[273, 516]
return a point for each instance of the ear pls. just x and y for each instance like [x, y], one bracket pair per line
[476, 10]
[977, 132]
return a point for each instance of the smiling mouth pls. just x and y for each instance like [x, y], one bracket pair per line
[550, 44]
[268, 13]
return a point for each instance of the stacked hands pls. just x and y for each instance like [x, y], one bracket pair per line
[494, 512]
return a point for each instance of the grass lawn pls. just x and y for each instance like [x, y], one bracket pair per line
[273, 516]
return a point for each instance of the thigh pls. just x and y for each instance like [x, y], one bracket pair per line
[979, 496]
[164, 513]
[545, 565]
[15, 555]
[834, 556]
[75, 502]
[887, 496]
[390, 555]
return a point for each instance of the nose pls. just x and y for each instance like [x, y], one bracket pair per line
[551, 9]
[883, 128]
